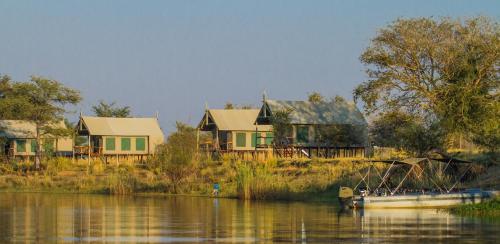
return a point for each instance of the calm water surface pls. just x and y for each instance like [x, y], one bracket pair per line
[34, 217]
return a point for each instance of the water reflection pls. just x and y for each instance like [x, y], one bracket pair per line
[34, 217]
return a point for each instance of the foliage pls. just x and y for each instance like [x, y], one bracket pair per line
[258, 182]
[407, 132]
[41, 101]
[316, 97]
[384, 129]
[246, 106]
[230, 105]
[484, 209]
[121, 182]
[103, 109]
[282, 128]
[445, 71]
[340, 135]
[175, 157]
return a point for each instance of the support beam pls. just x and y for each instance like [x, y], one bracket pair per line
[90, 148]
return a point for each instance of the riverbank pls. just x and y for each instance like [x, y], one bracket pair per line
[486, 209]
[300, 180]
[297, 180]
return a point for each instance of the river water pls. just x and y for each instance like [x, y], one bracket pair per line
[49, 218]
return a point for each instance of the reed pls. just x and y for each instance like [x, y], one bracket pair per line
[275, 179]
[484, 209]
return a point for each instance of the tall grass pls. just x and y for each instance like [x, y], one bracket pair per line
[256, 181]
[122, 181]
[484, 209]
[301, 179]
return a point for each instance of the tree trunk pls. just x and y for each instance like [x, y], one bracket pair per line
[38, 151]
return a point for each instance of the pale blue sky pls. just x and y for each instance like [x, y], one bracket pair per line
[173, 56]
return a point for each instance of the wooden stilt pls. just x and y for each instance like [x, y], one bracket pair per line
[90, 147]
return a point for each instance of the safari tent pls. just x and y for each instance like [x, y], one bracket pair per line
[234, 130]
[308, 121]
[103, 136]
[19, 138]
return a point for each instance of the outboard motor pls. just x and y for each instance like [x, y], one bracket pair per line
[346, 196]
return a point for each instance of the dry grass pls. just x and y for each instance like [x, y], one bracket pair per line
[301, 179]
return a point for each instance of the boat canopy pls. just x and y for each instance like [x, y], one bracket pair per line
[416, 165]
[414, 161]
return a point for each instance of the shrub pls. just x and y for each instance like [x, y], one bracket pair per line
[175, 158]
[121, 182]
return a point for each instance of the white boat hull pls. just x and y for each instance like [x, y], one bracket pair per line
[422, 200]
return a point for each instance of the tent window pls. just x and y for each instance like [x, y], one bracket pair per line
[269, 138]
[110, 143]
[125, 145]
[140, 144]
[33, 145]
[302, 134]
[241, 139]
[21, 145]
[254, 139]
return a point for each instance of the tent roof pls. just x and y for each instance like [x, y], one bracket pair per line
[106, 126]
[332, 112]
[21, 128]
[234, 119]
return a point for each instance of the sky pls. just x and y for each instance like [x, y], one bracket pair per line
[173, 57]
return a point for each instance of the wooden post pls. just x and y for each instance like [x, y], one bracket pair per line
[90, 147]
[197, 141]
[73, 150]
[256, 133]
[217, 138]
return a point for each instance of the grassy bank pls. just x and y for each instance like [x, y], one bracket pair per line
[276, 179]
[485, 209]
[303, 180]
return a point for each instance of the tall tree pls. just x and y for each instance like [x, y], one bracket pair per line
[316, 97]
[104, 109]
[229, 105]
[445, 71]
[41, 101]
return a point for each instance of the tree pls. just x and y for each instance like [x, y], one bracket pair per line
[246, 106]
[104, 109]
[282, 128]
[340, 135]
[444, 71]
[316, 97]
[229, 105]
[403, 131]
[41, 101]
[175, 157]
[10, 106]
